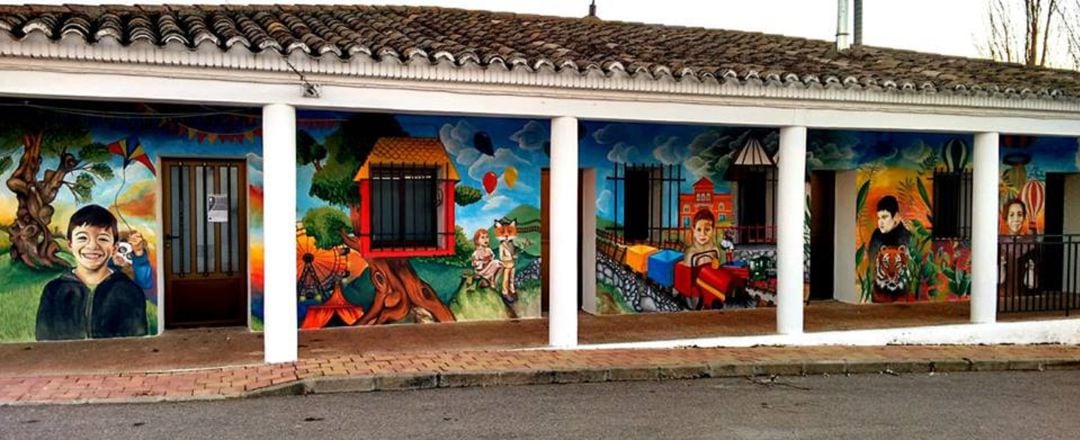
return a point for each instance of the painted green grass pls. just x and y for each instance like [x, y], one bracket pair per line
[610, 300]
[478, 304]
[151, 319]
[19, 298]
[474, 303]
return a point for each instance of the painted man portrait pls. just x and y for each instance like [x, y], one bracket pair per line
[888, 250]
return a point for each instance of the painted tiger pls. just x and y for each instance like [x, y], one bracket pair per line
[891, 273]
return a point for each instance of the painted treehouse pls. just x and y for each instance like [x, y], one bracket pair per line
[406, 210]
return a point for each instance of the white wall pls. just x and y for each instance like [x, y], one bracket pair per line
[1072, 222]
[588, 240]
[1072, 205]
[844, 238]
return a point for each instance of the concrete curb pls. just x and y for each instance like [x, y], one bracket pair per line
[464, 379]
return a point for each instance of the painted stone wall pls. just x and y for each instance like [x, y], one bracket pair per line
[690, 251]
[484, 263]
[57, 158]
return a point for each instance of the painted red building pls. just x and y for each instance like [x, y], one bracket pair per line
[703, 197]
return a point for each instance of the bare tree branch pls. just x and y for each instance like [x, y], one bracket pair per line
[1033, 32]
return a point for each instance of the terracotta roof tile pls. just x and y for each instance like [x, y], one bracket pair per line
[408, 151]
[535, 43]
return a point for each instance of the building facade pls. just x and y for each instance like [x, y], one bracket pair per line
[311, 166]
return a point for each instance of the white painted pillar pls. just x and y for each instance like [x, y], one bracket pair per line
[984, 229]
[279, 230]
[791, 206]
[844, 248]
[562, 312]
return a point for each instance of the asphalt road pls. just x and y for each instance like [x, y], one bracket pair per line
[955, 406]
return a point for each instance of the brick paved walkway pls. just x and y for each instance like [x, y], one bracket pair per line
[387, 371]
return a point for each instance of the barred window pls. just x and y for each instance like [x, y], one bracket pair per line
[404, 202]
[952, 205]
[757, 209]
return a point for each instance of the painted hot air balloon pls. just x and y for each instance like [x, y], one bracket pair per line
[490, 181]
[954, 154]
[482, 143]
[510, 176]
[1033, 194]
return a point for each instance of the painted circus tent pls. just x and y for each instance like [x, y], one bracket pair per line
[58, 158]
[412, 219]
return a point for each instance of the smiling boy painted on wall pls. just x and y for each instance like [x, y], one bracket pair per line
[93, 300]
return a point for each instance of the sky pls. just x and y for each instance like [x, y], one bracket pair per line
[937, 26]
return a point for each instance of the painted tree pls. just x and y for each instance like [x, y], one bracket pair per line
[398, 289]
[465, 195]
[1033, 32]
[36, 138]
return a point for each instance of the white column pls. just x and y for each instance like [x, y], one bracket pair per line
[791, 206]
[279, 230]
[562, 312]
[984, 229]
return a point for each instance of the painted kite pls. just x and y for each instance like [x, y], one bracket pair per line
[131, 150]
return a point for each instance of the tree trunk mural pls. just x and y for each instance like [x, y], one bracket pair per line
[32, 243]
[398, 290]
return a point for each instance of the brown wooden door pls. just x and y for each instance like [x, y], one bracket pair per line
[205, 223]
[822, 232]
[545, 238]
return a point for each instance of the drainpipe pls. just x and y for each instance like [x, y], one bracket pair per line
[858, 23]
[842, 34]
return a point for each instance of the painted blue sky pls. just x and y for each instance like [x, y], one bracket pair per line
[847, 150]
[517, 142]
[157, 141]
[1048, 155]
[699, 151]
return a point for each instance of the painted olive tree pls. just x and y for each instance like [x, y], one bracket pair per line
[29, 139]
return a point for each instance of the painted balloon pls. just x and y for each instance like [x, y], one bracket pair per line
[490, 181]
[1033, 194]
[482, 143]
[510, 176]
[955, 155]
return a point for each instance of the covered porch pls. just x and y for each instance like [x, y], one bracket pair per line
[284, 83]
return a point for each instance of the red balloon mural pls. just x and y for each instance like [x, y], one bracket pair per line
[490, 181]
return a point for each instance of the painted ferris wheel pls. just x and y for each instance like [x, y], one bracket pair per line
[319, 270]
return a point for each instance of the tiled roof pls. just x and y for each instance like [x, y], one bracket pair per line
[408, 152]
[538, 42]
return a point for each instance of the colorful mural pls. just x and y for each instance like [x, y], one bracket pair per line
[668, 231]
[1027, 166]
[414, 219]
[80, 203]
[898, 256]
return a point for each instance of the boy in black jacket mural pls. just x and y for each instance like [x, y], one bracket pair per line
[889, 255]
[91, 301]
